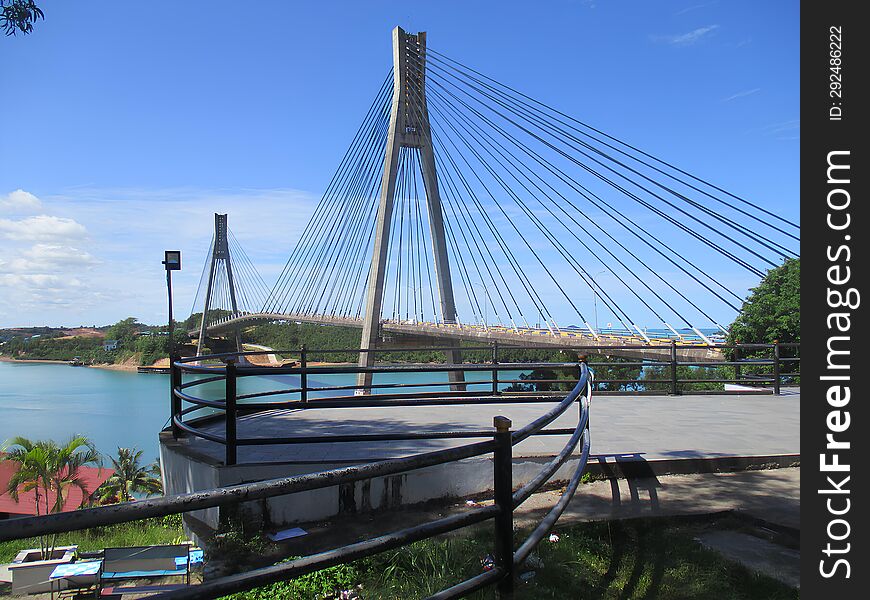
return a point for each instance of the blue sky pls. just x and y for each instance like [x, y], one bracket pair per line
[126, 125]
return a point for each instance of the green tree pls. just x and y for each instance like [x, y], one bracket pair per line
[130, 477]
[773, 310]
[124, 330]
[51, 471]
[19, 15]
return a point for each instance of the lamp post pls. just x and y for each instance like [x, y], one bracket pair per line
[171, 262]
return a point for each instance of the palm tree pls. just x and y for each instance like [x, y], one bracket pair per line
[70, 458]
[51, 472]
[32, 473]
[130, 476]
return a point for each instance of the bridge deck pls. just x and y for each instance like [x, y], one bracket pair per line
[655, 427]
[658, 349]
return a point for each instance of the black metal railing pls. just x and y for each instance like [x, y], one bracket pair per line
[499, 442]
[484, 384]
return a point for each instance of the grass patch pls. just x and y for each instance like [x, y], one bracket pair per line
[626, 560]
[165, 530]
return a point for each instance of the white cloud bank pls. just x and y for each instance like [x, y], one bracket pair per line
[92, 256]
[19, 202]
[44, 228]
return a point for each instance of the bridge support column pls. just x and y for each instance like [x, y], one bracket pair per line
[220, 255]
[409, 128]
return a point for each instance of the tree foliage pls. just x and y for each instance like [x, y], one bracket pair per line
[773, 310]
[130, 477]
[150, 342]
[124, 330]
[19, 16]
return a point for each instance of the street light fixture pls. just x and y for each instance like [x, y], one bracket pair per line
[171, 262]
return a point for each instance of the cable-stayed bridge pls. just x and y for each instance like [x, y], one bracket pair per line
[464, 208]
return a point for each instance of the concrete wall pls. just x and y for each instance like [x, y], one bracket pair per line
[183, 473]
[466, 478]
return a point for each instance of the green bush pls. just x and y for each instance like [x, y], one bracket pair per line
[313, 586]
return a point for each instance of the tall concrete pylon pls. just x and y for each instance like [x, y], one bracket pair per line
[409, 128]
[220, 257]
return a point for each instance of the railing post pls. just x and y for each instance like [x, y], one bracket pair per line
[495, 370]
[674, 390]
[776, 368]
[230, 413]
[738, 372]
[504, 520]
[303, 375]
[174, 401]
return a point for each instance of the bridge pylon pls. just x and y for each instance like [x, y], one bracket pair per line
[220, 259]
[409, 128]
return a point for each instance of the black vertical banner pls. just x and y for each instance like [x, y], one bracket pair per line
[835, 420]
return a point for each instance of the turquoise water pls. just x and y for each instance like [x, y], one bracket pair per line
[118, 408]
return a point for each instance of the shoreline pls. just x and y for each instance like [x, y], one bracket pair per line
[48, 361]
[9, 359]
[134, 368]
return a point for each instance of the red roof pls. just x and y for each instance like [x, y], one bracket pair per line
[26, 505]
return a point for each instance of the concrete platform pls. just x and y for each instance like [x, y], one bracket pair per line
[646, 429]
[653, 427]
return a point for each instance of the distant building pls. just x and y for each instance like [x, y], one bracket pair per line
[110, 345]
[92, 477]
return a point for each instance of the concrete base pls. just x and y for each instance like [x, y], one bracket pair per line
[184, 471]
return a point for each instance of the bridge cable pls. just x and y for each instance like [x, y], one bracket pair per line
[351, 221]
[512, 160]
[646, 204]
[205, 268]
[315, 226]
[345, 218]
[761, 240]
[284, 279]
[436, 55]
[527, 284]
[594, 199]
[549, 120]
[496, 235]
[327, 230]
[584, 275]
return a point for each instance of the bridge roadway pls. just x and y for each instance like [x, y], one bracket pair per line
[656, 349]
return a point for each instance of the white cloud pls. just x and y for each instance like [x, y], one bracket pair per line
[45, 295]
[742, 94]
[19, 202]
[687, 39]
[43, 267]
[693, 7]
[41, 228]
[47, 258]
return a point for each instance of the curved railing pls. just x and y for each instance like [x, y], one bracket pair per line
[193, 414]
[500, 443]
